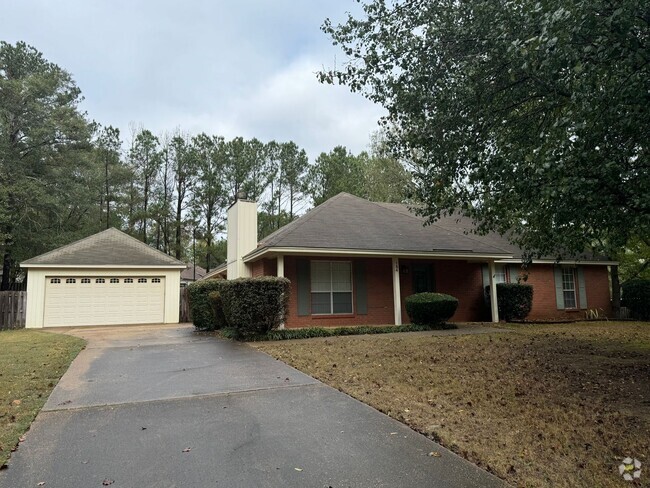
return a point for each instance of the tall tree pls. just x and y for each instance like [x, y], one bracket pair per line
[145, 158]
[526, 116]
[294, 166]
[185, 168]
[44, 147]
[108, 147]
[386, 179]
[335, 172]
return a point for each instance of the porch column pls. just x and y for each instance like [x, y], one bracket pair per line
[494, 304]
[397, 297]
[280, 272]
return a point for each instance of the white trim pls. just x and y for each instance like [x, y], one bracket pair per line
[494, 303]
[397, 297]
[564, 262]
[104, 266]
[306, 251]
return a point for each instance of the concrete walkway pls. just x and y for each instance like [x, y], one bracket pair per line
[166, 407]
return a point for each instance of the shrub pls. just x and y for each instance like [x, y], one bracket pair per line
[217, 309]
[636, 294]
[200, 306]
[515, 301]
[254, 306]
[430, 308]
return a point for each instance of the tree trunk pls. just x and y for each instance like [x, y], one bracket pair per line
[108, 202]
[616, 291]
[6, 268]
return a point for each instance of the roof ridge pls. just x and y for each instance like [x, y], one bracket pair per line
[300, 221]
[440, 226]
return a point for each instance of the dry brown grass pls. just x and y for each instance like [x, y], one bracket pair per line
[546, 405]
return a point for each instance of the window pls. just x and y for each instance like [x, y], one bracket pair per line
[128, 280]
[55, 280]
[115, 280]
[569, 287]
[142, 280]
[155, 280]
[100, 280]
[500, 274]
[70, 280]
[85, 280]
[331, 287]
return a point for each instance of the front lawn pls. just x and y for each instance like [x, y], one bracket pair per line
[31, 363]
[541, 405]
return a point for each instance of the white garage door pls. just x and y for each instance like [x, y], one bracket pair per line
[105, 300]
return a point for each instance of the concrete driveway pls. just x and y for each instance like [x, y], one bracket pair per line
[166, 407]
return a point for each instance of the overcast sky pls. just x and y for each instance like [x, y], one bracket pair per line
[232, 68]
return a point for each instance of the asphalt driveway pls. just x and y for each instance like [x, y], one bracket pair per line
[166, 407]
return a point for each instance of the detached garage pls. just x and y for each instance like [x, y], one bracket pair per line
[109, 278]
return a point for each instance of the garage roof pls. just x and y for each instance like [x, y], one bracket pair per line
[107, 248]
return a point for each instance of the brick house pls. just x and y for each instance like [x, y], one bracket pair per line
[353, 262]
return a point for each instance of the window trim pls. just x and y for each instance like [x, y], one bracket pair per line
[331, 291]
[574, 290]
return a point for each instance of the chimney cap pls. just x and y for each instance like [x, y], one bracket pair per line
[242, 195]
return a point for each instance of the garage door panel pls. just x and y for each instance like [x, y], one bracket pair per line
[135, 300]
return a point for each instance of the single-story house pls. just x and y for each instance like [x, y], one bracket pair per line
[109, 278]
[353, 262]
[191, 274]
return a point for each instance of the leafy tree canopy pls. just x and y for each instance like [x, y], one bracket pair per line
[528, 116]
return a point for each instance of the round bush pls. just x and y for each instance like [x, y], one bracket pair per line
[636, 295]
[515, 301]
[430, 308]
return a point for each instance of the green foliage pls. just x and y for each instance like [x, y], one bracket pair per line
[528, 117]
[201, 307]
[514, 300]
[255, 306]
[217, 309]
[335, 172]
[636, 297]
[310, 332]
[430, 308]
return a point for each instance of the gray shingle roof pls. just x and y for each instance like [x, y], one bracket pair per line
[109, 247]
[349, 222]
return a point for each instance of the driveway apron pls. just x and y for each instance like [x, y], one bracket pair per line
[167, 407]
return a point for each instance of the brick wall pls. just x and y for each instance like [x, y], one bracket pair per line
[542, 277]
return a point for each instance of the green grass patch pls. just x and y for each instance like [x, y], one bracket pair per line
[311, 332]
[31, 364]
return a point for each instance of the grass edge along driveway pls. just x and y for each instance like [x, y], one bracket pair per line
[31, 364]
[541, 405]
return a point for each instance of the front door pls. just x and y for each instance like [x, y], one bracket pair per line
[423, 278]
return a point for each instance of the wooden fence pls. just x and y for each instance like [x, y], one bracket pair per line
[185, 315]
[12, 309]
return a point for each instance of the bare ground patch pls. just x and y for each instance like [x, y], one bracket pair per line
[542, 405]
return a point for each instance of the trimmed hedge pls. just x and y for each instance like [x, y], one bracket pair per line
[200, 306]
[217, 309]
[309, 332]
[255, 306]
[515, 301]
[636, 295]
[430, 308]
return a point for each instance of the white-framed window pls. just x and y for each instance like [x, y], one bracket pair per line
[70, 280]
[500, 274]
[569, 287]
[85, 280]
[55, 280]
[331, 287]
[142, 280]
[100, 280]
[155, 280]
[115, 280]
[128, 280]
